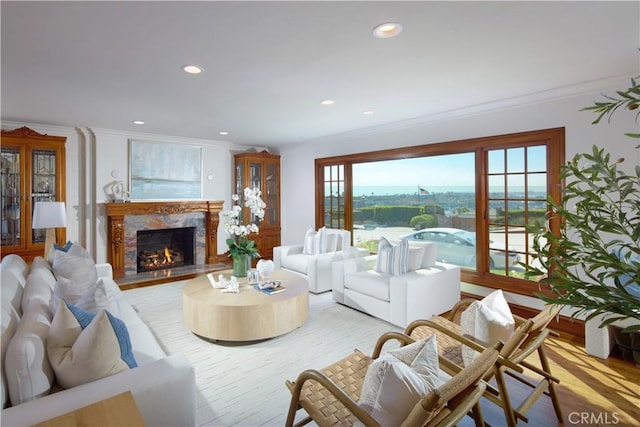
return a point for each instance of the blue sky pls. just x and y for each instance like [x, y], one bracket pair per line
[448, 170]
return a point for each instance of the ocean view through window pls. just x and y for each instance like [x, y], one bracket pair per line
[471, 198]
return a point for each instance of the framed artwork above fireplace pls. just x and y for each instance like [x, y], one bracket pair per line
[164, 171]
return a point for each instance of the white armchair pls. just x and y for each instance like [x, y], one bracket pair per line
[428, 289]
[317, 267]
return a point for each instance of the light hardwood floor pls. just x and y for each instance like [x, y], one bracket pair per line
[243, 384]
[592, 391]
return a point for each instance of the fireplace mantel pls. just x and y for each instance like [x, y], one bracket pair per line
[116, 213]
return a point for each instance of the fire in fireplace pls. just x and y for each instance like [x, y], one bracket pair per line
[165, 248]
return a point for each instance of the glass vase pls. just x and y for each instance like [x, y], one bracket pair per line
[241, 263]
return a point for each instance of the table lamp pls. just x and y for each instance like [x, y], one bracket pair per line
[49, 215]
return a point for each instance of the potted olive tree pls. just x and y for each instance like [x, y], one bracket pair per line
[594, 264]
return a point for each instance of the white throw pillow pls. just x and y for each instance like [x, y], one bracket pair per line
[416, 255]
[430, 254]
[398, 379]
[57, 247]
[488, 321]
[331, 242]
[76, 274]
[392, 259]
[308, 241]
[422, 357]
[64, 248]
[315, 242]
[92, 299]
[77, 266]
[84, 347]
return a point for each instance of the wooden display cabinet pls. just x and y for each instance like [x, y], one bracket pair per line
[261, 170]
[32, 170]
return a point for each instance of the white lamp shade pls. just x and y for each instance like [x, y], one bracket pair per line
[49, 215]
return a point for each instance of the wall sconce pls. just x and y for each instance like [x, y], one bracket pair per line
[49, 215]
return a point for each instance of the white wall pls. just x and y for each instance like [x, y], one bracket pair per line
[580, 135]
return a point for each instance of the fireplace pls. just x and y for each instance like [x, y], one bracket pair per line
[165, 248]
[124, 220]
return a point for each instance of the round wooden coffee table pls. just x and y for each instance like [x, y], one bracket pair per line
[248, 315]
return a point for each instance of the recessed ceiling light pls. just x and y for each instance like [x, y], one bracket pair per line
[327, 102]
[192, 69]
[138, 122]
[368, 112]
[223, 132]
[387, 30]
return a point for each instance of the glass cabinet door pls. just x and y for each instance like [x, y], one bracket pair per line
[255, 175]
[255, 181]
[271, 194]
[239, 178]
[43, 178]
[10, 196]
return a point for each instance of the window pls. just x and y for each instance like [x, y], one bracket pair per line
[517, 194]
[472, 198]
[334, 194]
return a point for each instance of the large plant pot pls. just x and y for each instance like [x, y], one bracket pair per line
[628, 343]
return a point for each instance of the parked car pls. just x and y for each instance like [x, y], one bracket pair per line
[458, 247]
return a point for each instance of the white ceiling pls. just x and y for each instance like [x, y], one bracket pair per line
[269, 64]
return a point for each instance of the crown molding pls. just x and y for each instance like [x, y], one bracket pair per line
[40, 128]
[564, 92]
[158, 137]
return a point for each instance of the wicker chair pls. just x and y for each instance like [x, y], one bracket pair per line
[528, 337]
[330, 396]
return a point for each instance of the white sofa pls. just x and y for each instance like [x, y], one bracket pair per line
[162, 385]
[316, 268]
[428, 289]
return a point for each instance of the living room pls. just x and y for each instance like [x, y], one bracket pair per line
[586, 49]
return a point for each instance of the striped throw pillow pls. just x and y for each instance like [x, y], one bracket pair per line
[392, 259]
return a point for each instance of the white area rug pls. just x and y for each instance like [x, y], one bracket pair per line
[243, 384]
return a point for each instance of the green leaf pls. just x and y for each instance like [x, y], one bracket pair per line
[600, 209]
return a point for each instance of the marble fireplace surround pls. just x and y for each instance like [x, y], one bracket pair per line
[125, 219]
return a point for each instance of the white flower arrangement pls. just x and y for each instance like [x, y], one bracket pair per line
[238, 242]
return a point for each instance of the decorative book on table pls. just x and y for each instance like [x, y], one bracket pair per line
[270, 288]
